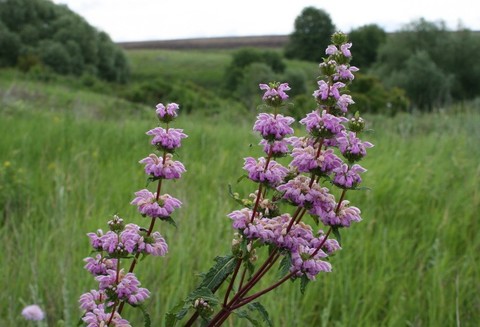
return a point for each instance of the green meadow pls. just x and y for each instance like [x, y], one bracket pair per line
[69, 161]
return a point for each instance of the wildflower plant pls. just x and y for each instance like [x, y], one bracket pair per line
[271, 228]
[120, 247]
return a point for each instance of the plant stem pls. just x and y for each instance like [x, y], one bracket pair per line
[268, 289]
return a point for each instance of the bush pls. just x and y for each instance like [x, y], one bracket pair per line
[245, 57]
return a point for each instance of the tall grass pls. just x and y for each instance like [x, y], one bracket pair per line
[411, 262]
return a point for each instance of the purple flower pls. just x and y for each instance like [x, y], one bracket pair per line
[345, 48]
[148, 206]
[331, 50]
[154, 244]
[348, 177]
[166, 139]
[345, 73]
[344, 101]
[99, 265]
[96, 239]
[258, 172]
[304, 263]
[346, 214]
[274, 93]
[33, 312]
[99, 318]
[315, 198]
[323, 124]
[352, 147]
[273, 127]
[241, 218]
[306, 160]
[156, 167]
[276, 148]
[167, 114]
[126, 286]
[325, 90]
[90, 301]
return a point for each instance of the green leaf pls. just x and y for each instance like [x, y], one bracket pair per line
[246, 315]
[204, 293]
[241, 177]
[258, 307]
[285, 265]
[146, 316]
[303, 283]
[235, 196]
[362, 188]
[177, 313]
[336, 232]
[170, 221]
[223, 267]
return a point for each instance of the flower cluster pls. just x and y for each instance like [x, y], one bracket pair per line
[121, 241]
[328, 155]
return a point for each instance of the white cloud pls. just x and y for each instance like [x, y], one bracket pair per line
[135, 20]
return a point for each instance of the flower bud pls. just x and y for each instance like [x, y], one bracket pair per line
[356, 123]
[339, 38]
[116, 224]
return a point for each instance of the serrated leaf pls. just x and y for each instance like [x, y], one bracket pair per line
[362, 188]
[177, 313]
[336, 233]
[246, 315]
[285, 265]
[204, 293]
[257, 306]
[146, 317]
[170, 221]
[223, 267]
[303, 283]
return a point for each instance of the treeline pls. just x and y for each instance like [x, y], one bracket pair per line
[423, 66]
[38, 34]
[432, 64]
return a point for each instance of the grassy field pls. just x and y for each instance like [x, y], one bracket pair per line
[69, 161]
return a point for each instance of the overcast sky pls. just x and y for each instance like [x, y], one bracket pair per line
[142, 20]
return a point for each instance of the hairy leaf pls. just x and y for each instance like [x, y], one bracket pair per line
[257, 306]
[303, 283]
[336, 232]
[285, 265]
[223, 267]
[146, 317]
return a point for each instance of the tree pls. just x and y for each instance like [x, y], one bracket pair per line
[313, 29]
[38, 32]
[442, 60]
[366, 41]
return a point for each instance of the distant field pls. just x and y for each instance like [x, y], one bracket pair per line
[266, 41]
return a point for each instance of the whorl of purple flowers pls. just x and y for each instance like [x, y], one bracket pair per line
[115, 287]
[327, 153]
